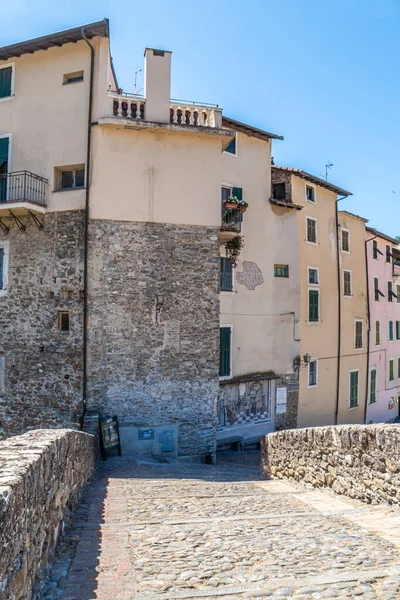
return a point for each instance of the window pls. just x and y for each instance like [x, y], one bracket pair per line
[226, 275]
[6, 82]
[3, 268]
[397, 330]
[279, 191]
[73, 77]
[2, 375]
[372, 386]
[313, 276]
[225, 351]
[398, 368]
[390, 331]
[377, 290]
[231, 147]
[398, 293]
[375, 249]
[312, 373]
[390, 291]
[63, 321]
[313, 306]
[345, 240]
[377, 333]
[391, 369]
[70, 178]
[347, 283]
[358, 334]
[226, 192]
[311, 230]
[388, 254]
[281, 270]
[353, 389]
[310, 193]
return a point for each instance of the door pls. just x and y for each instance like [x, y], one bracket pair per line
[4, 149]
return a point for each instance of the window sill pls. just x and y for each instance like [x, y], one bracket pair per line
[353, 407]
[77, 189]
[348, 295]
[7, 98]
[311, 201]
[230, 153]
[311, 243]
[225, 377]
[313, 322]
[227, 292]
[310, 387]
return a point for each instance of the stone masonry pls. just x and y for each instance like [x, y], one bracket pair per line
[360, 461]
[42, 368]
[42, 474]
[153, 368]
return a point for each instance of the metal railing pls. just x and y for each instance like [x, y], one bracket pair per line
[231, 219]
[22, 186]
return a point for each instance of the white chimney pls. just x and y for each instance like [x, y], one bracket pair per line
[157, 84]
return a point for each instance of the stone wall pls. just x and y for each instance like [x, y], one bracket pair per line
[154, 369]
[42, 474]
[41, 378]
[360, 461]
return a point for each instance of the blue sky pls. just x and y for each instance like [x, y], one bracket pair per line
[323, 73]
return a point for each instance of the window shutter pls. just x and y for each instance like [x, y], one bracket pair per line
[225, 352]
[1, 268]
[238, 192]
[5, 82]
[313, 306]
[225, 275]
[3, 148]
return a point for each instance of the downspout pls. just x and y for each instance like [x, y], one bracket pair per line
[86, 232]
[368, 329]
[339, 347]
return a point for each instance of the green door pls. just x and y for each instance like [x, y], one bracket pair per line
[4, 142]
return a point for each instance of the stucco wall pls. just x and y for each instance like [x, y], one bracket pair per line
[42, 475]
[360, 461]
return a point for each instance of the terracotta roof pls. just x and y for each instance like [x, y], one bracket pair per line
[249, 129]
[99, 28]
[346, 212]
[314, 179]
[382, 235]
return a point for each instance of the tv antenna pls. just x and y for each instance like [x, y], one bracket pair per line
[328, 167]
[137, 90]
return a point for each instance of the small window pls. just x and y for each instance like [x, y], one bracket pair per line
[353, 389]
[358, 341]
[390, 292]
[347, 283]
[372, 387]
[225, 352]
[279, 191]
[391, 369]
[310, 193]
[398, 292]
[63, 321]
[312, 373]
[73, 77]
[313, 276]
[70, 178]
[397, 330]
[231, 147]
[388, 254]
[3, 268]
[281, 270]
[398, 368]
[375, 249]
[390, 331]
[377, 291]
[311, 230]
[226, 275]
[313, 306]
[377, 333]
[345, 240]
[6, 81]
[226, 192]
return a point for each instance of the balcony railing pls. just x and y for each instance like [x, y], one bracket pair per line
[132, 106]
[231, 219]
[22, 186]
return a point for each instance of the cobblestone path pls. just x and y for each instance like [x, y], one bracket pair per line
[163, 532]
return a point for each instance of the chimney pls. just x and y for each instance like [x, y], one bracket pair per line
[157, 84]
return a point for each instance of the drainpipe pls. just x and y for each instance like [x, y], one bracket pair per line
[339, 310]
[86, 232]
[368, 328]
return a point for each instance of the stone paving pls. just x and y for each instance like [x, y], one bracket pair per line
[154, 531]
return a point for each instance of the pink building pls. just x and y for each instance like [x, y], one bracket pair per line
[383, 262]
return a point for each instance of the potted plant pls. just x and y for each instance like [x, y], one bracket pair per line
[231, 202]
[233, 248]
[243, 205]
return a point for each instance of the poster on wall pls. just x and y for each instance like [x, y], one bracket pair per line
[281, 400]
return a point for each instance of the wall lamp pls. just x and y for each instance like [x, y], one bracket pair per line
[298, 362]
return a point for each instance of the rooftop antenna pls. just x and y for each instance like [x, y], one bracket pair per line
[137, 90]
[328, 166]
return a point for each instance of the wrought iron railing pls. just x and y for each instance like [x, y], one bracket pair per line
[22, 186]
[231, 219]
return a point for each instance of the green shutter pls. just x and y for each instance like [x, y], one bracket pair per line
[226, 280]
[3, 148]
[372, 391]
[5, 82]
[1, 268]
[353, 389]
[313, 313]
[238, 192]
[390, 330]
[225, 352]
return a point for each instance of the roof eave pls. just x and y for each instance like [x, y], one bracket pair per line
[249, 129]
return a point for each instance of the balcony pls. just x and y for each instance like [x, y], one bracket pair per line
[187, 114]
[22, 192]
[231, 223]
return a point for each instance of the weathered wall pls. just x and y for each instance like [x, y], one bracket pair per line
[360, 461]
[42, 368]
[42, 475]
[153, 370]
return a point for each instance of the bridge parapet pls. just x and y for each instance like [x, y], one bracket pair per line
[42, 474]
[360, 461]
